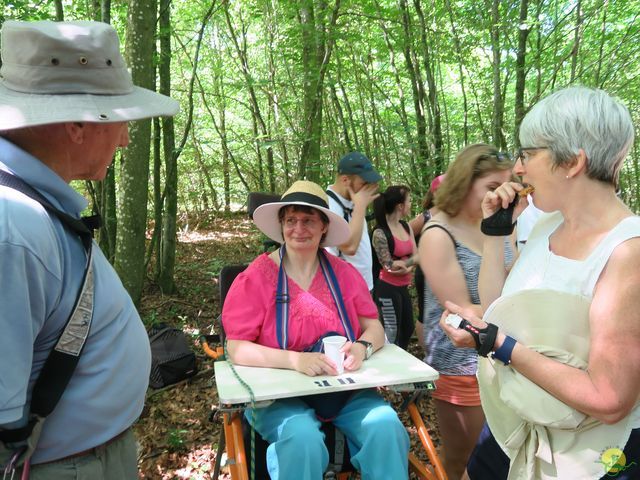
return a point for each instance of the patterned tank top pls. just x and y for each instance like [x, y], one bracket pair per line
[441, 354]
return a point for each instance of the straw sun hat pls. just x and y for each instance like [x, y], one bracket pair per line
[56, 72]
[306, 193]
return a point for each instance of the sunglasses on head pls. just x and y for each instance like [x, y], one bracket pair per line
[502, 157]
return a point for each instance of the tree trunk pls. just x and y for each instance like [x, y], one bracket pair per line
[402, 104]
[576, 41]
[498, 105]
[603, 37]
[104, 191]
[106, 11]
[154, 244]
[521, 73]
[417, 90]
[134, 178]
[261, 132]
[59, 11]
[170, 204]
[434, 105]
[317, 45]
[458, 49]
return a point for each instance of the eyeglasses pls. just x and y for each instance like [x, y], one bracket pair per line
[520, 154]
[308, 222]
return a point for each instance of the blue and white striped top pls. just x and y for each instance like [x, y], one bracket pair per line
[441, 354]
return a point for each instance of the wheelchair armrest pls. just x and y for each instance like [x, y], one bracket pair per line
[206, 340]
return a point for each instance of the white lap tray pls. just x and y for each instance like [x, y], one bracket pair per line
[389, 366]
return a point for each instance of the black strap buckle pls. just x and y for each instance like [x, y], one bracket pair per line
[282, 298]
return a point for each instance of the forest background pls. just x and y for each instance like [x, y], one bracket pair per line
[276, 90]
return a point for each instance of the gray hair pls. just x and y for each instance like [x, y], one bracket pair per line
[584, 118]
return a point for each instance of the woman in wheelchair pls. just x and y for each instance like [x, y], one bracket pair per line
[276, 314]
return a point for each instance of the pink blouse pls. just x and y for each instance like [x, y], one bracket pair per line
[249, 311]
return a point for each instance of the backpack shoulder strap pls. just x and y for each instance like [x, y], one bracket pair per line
[406, 226]
[346, 211]
[62, 360]
[82, 227]
[388, 236]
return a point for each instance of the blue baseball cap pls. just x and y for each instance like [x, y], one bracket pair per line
[357, 163]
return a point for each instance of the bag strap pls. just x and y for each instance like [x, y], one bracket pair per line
[441, 227]
[389, 236]
[346, 211]
[62, 360]
[406, 226]
[282, 299]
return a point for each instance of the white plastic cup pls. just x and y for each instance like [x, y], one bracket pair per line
[332, 346]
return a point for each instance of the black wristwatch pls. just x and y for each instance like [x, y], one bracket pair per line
[368, 346]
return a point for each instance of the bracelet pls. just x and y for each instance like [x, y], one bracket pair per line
[506, 349]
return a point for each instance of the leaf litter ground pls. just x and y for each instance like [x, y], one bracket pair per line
[177, 437]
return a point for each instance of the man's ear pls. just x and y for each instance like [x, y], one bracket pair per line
[75, 131]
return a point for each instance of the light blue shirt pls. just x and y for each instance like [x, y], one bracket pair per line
[41, 269]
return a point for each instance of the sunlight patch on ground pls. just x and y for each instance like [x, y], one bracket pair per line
[206, 236]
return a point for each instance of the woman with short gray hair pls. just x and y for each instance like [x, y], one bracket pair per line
[561, 330]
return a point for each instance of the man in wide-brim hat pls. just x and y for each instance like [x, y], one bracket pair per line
[66, 98]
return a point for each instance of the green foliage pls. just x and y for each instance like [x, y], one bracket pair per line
[248, 121]
[176, 441]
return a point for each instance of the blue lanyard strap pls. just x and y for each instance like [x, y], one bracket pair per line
[282, 303]
[282, 299]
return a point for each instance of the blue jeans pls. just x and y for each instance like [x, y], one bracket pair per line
[378, 441]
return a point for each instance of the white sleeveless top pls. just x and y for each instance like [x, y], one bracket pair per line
[539, 268]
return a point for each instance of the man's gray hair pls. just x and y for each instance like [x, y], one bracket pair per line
[584, 118]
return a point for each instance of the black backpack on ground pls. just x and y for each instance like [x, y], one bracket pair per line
[171, 358]
[376, 266]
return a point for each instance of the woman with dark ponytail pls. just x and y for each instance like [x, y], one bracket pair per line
[396, 253]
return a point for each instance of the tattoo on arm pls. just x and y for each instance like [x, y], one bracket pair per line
[381, 248]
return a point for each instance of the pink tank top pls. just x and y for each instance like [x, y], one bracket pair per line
[403, 249]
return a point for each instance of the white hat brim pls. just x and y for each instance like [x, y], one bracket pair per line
[18, 110]
[266, 219]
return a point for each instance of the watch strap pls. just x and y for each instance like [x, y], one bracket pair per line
[506, 349]
[368, 348]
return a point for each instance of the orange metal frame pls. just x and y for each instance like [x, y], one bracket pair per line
[239, 469]
[237, 458]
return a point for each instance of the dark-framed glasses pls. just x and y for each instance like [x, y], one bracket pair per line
[520, 154]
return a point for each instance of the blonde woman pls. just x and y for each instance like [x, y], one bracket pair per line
[451, 248]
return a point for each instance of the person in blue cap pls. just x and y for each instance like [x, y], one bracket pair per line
[355, 187]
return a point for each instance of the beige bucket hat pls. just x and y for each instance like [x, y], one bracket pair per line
[55, 72]
[305, 193]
